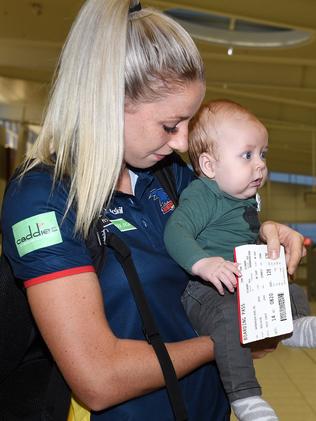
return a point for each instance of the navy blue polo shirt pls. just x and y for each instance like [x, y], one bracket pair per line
[40, 243]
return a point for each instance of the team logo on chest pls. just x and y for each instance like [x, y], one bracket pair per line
[166, 205]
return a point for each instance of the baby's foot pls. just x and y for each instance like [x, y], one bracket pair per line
[253, 408]
[304, 333]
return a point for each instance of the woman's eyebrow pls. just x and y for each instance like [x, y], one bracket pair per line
[179, 118]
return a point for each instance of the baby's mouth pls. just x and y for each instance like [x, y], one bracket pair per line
[256, 183]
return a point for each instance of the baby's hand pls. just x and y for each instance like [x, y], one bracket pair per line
[217, 271]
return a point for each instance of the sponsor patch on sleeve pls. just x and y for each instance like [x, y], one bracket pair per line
[36, 232]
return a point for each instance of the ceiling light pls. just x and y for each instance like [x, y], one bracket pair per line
[234, 32]
[230, 51]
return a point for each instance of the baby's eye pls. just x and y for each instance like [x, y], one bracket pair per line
[263, 154]
[168, 129]
[246, 155]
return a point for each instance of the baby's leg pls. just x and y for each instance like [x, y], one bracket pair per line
[304, 328]
[253, 408]
[304, 333]
[299, 302]
[216, 316]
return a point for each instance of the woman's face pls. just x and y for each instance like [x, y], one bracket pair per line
[156, 129]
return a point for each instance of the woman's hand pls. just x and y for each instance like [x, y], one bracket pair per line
[275, 234]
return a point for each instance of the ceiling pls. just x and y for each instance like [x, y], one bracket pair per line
[279, 85]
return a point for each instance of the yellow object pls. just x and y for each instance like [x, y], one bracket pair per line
[77, 412]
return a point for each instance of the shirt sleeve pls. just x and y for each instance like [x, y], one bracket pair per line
[185, 224]
[38, 234]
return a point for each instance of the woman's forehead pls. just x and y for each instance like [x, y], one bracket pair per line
[181, 102]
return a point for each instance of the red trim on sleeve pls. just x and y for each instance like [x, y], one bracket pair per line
[60, 274]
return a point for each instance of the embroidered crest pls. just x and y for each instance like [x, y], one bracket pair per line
[166, 205]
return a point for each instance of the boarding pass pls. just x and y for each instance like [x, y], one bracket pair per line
[263, 294]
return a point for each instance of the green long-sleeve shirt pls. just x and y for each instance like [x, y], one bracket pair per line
[209, 222]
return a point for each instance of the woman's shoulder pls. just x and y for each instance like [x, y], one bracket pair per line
[35, 177]
[32, 193]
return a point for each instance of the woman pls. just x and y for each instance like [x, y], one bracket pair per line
[128, 83]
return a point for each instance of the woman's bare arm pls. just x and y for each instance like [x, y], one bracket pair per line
[101, 369]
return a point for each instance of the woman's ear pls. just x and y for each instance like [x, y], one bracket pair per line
[207, 164]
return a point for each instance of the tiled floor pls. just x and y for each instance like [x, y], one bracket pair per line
[288, 380]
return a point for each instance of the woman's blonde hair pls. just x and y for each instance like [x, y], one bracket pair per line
[110, 56]
[203, 136]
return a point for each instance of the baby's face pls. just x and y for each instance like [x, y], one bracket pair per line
[240, 167]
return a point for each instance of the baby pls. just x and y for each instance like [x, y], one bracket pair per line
[217, 212]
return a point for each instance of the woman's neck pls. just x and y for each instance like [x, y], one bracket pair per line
[124, 184]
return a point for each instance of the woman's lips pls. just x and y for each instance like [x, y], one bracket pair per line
[159, 157]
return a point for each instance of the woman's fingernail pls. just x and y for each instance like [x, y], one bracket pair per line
[274, 254]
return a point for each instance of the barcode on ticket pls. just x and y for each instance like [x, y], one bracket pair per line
[282, 307]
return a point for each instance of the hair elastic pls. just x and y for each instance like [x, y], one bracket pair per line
[135, 8]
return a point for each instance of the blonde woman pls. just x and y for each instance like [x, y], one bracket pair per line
[128, 82]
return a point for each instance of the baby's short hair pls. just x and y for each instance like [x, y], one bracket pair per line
[203, 135]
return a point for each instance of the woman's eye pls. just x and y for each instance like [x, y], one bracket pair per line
[168, 129]
[246, 155]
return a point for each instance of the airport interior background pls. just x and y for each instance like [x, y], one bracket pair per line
[260, 54]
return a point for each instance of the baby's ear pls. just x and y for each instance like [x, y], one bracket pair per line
[207, 164]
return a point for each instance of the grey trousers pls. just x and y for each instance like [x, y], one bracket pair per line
[214, 315]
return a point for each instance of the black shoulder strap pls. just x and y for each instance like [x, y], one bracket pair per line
[166, 178]
[150, 329]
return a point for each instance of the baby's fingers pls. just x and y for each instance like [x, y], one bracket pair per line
[229, 280]
[232, 267]
[218, 285]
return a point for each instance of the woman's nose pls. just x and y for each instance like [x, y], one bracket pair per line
[179, 141]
